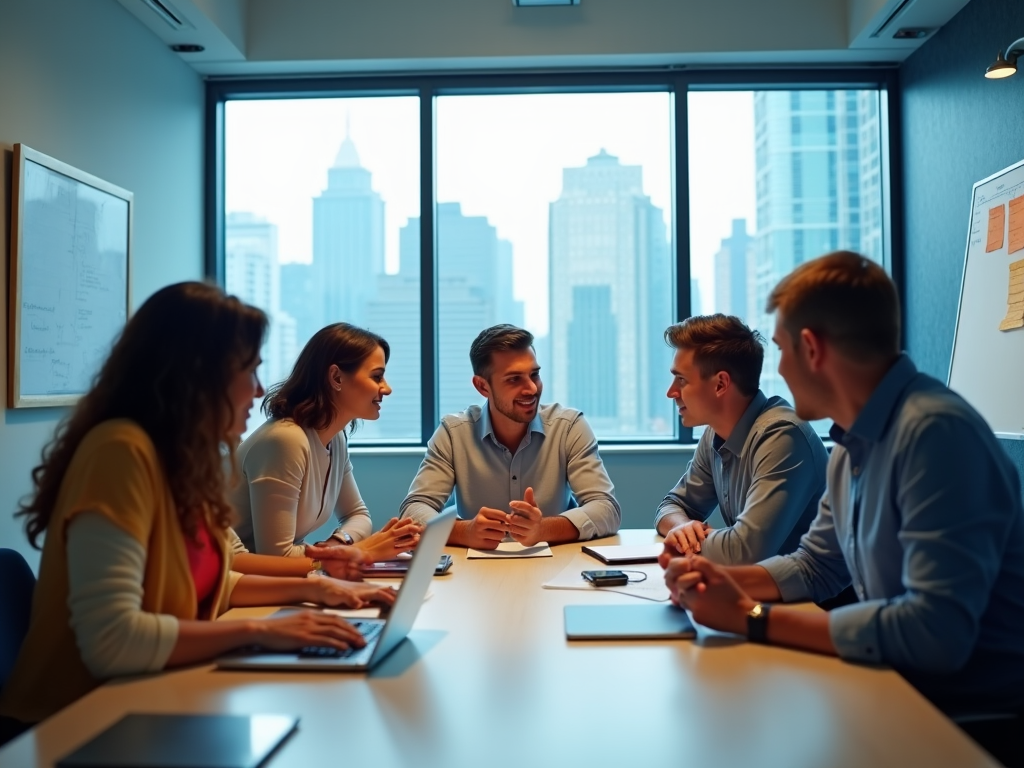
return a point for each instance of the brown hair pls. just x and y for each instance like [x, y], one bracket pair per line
[845, 298]
[721, 343]
[497, 338]
[305, 396]
[169, 372]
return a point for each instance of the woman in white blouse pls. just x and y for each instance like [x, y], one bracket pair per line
[295, 469]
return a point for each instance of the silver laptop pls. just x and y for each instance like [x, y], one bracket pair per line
[382, 635]
[648, 621]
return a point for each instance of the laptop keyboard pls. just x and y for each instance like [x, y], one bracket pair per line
[368, 629]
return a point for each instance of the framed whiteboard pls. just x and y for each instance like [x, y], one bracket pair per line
[71, 236]
[987, 367]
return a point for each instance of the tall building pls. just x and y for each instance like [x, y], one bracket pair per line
[609, 258]
[252, 274]
[813, 156]
[348, 240]
[474, 290]
[734, 274]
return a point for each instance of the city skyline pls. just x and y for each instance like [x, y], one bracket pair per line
[815, 185]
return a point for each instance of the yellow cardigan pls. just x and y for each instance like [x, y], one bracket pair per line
[116, 472]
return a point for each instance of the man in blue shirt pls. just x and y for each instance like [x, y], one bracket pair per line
[758, 463]
[520, 468]
[922, 511]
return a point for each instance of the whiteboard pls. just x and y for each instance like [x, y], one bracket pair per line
[987, 367]
[70, 257]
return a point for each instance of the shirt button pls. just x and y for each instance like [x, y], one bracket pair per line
[513, 477]
[856, 471]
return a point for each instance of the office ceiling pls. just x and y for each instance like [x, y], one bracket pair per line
[279, 37]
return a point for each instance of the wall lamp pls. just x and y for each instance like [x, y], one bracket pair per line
[1005, 63]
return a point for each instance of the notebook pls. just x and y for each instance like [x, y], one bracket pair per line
[627, 622]
[382, 635]
[623, 554]
[184, 741]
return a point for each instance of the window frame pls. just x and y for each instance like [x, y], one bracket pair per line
[677, 81]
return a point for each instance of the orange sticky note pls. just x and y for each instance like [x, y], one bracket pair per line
[1016, 225]
[996, 225]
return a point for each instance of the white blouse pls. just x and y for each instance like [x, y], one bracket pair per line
[289, 486]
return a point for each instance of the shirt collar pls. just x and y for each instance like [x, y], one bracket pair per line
[484, 427]
[874, 417]
[738, 436]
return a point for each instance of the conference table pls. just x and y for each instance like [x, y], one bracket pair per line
[487, 678]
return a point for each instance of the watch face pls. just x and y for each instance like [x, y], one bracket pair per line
[757, 611]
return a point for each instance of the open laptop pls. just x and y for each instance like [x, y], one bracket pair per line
[382, 635]
[649, 621]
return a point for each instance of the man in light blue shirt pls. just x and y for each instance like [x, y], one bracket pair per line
[758, 463]
[518, 468]
[922, 512]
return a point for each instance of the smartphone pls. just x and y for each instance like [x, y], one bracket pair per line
[400, 566]
[605, 578]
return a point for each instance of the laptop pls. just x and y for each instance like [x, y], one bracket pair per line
[656, 621]
[382, 635]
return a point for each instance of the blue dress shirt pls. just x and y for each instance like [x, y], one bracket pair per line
[766, 479]
[558, 458]
[923, 515]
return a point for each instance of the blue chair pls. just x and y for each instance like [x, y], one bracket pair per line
[17, 583]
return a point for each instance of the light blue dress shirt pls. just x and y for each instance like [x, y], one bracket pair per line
[923, 515]
[558, 458]
[766, 479]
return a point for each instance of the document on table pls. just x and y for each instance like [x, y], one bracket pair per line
[509, 550]
[651, 588]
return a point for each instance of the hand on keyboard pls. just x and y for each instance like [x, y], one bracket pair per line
[300, 629]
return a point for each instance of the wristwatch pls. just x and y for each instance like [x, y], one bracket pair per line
[757, 623]
[344, 537]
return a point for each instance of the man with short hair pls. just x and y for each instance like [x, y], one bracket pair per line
[922, 512]
[518, 468]
[763, 467]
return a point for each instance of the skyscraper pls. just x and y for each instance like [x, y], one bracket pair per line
[814, 153]
[252, 274]
[734, 272]
[348, 240]
[610, 297]
[474, 290]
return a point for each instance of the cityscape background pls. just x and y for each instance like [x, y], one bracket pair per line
[605, 265]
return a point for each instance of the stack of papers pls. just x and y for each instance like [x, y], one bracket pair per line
[652, 588]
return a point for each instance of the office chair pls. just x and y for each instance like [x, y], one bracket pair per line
[17, 583]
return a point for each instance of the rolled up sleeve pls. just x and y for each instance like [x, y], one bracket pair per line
[784, 482]
[694, 495]
[817, 570]
[598, 513]
[434, 480]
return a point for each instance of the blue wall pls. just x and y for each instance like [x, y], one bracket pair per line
[957, 129]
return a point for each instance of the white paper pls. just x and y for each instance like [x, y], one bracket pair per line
[652, 588]
[509, 550]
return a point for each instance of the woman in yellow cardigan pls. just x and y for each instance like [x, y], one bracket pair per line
[130, 495]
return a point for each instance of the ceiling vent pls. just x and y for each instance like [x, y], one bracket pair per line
[171, 15]
[900, 8]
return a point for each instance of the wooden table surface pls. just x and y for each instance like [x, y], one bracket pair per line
[487, 678]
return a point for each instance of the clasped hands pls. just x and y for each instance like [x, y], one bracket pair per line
[707, 591]
[522, 522]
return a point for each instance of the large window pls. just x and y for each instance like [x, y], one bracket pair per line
[777, 178]
[562, 207]
[319, 197]
[554, 213]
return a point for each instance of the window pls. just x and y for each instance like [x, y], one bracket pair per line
[766, 196]
[549, 201]
[319, 194]
[554, 213]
